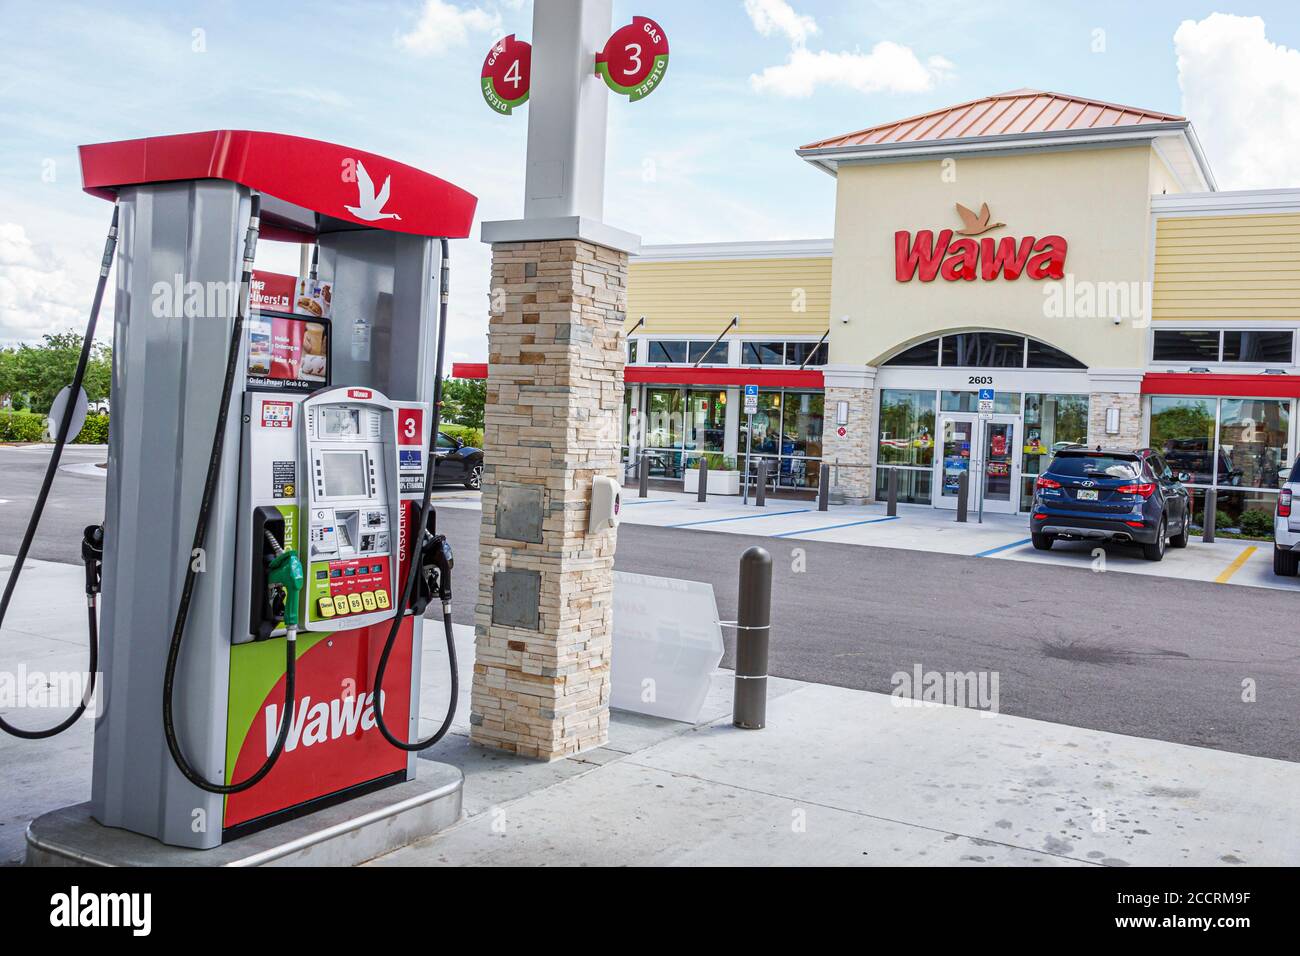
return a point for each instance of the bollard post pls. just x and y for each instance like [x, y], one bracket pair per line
[644, 490]
[963, 486]
[824, 487]
[891, 505]
[1211, 514]
[760, 493]
[702, 494]
[753, 632]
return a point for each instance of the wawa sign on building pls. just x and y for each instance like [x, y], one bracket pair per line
[966, 258]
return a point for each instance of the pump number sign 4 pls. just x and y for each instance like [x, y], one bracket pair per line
[635, 58]
[507, 73]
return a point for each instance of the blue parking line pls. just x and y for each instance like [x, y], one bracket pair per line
[832, 527]
[769, 514]
[648, 501]
[1005, 547]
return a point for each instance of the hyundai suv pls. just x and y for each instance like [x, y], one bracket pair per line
[1110, 495]
[1286, 524]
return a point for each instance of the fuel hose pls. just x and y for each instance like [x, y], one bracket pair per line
[60, 440]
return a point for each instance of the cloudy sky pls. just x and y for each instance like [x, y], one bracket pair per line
[708, 157]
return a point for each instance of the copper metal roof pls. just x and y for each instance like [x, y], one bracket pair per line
[1019, 112]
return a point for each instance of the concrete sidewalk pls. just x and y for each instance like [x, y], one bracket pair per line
[838, 776]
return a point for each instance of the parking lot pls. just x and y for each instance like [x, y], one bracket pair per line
[921, 528]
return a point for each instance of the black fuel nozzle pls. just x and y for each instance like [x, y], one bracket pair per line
[435, 572]
[92, 556]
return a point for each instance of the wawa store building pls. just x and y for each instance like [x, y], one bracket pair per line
[1075, 257]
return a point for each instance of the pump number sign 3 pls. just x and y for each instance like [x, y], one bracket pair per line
[507, 73]
[635, 58]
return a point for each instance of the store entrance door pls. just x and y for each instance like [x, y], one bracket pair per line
[974, 447]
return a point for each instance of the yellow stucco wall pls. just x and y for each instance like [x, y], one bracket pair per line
[1211, 268]
[1098, 199]
[700, 297]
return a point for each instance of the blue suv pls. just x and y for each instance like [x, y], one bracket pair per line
[1125, 496]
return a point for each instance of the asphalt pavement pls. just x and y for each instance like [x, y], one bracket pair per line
[1186, 661]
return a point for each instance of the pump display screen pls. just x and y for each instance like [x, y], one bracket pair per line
[340, 422]
[345, 474]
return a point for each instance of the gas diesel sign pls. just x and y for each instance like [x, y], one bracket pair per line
[967, 259]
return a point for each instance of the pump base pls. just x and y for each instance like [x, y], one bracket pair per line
[343, 835]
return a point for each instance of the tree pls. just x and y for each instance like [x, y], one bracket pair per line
[463, 400]
[34, 374]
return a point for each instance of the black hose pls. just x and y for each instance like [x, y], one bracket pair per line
[413, 574]
[61, 439]
[200, 537]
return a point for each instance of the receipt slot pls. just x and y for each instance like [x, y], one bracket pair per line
[349, 453]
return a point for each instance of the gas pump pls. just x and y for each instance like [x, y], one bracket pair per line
[291, 483]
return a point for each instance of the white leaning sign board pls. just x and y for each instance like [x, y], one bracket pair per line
[667, 645]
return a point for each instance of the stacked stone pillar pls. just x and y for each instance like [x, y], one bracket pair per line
[1121, 389]
[855, 449]
[544, 619]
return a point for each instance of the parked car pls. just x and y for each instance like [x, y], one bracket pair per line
[1111, 495]
[1286, 524]
[458, 463]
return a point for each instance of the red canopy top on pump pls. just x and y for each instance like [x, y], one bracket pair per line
[346, 184]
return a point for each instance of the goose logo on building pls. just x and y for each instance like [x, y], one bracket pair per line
[966, 259]
[370, 205]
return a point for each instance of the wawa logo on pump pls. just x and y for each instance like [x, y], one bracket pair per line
[968, 259]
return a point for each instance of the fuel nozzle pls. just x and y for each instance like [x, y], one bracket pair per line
[92, 556]
[285, 575]
[436, 562]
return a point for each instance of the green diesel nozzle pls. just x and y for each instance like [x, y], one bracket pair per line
[286, 572]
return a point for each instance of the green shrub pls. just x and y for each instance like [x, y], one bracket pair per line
[95, 431]
[470, 436]
[717, 461]
[1257, 523]
[21, 426]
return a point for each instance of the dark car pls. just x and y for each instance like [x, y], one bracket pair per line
[458, 463]
[1109, 495]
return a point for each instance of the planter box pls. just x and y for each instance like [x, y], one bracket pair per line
[720, 482]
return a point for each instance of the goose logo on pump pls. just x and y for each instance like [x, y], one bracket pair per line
[370, 204]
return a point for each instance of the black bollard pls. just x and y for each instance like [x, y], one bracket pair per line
[963, 487]
[702, 494]
[644, 490]
[1211, 515]
[753, 632]
[891, 505]
[824, 487]
[760, 493]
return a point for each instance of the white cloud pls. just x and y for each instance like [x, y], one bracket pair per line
[777, 16]
[39, 290]
[889, 67]
[443, 26]
[1242, 91]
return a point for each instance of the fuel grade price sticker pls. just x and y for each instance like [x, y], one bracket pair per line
[634, 59]
[507, 74]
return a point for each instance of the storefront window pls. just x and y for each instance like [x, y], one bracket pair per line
[706, 420]
[906, 427]
[1051, 423]
[1182, 431]
[801, 427]
[1004, 403]
[984, 350]
[1252, 441]
[762, 353]
[664, 431]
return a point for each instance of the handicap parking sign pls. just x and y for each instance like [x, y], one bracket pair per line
[751, 399]
[986, 400]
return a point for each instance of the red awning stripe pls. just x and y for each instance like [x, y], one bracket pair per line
[1212, 385]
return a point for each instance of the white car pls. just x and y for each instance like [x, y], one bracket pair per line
[1286, 525]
